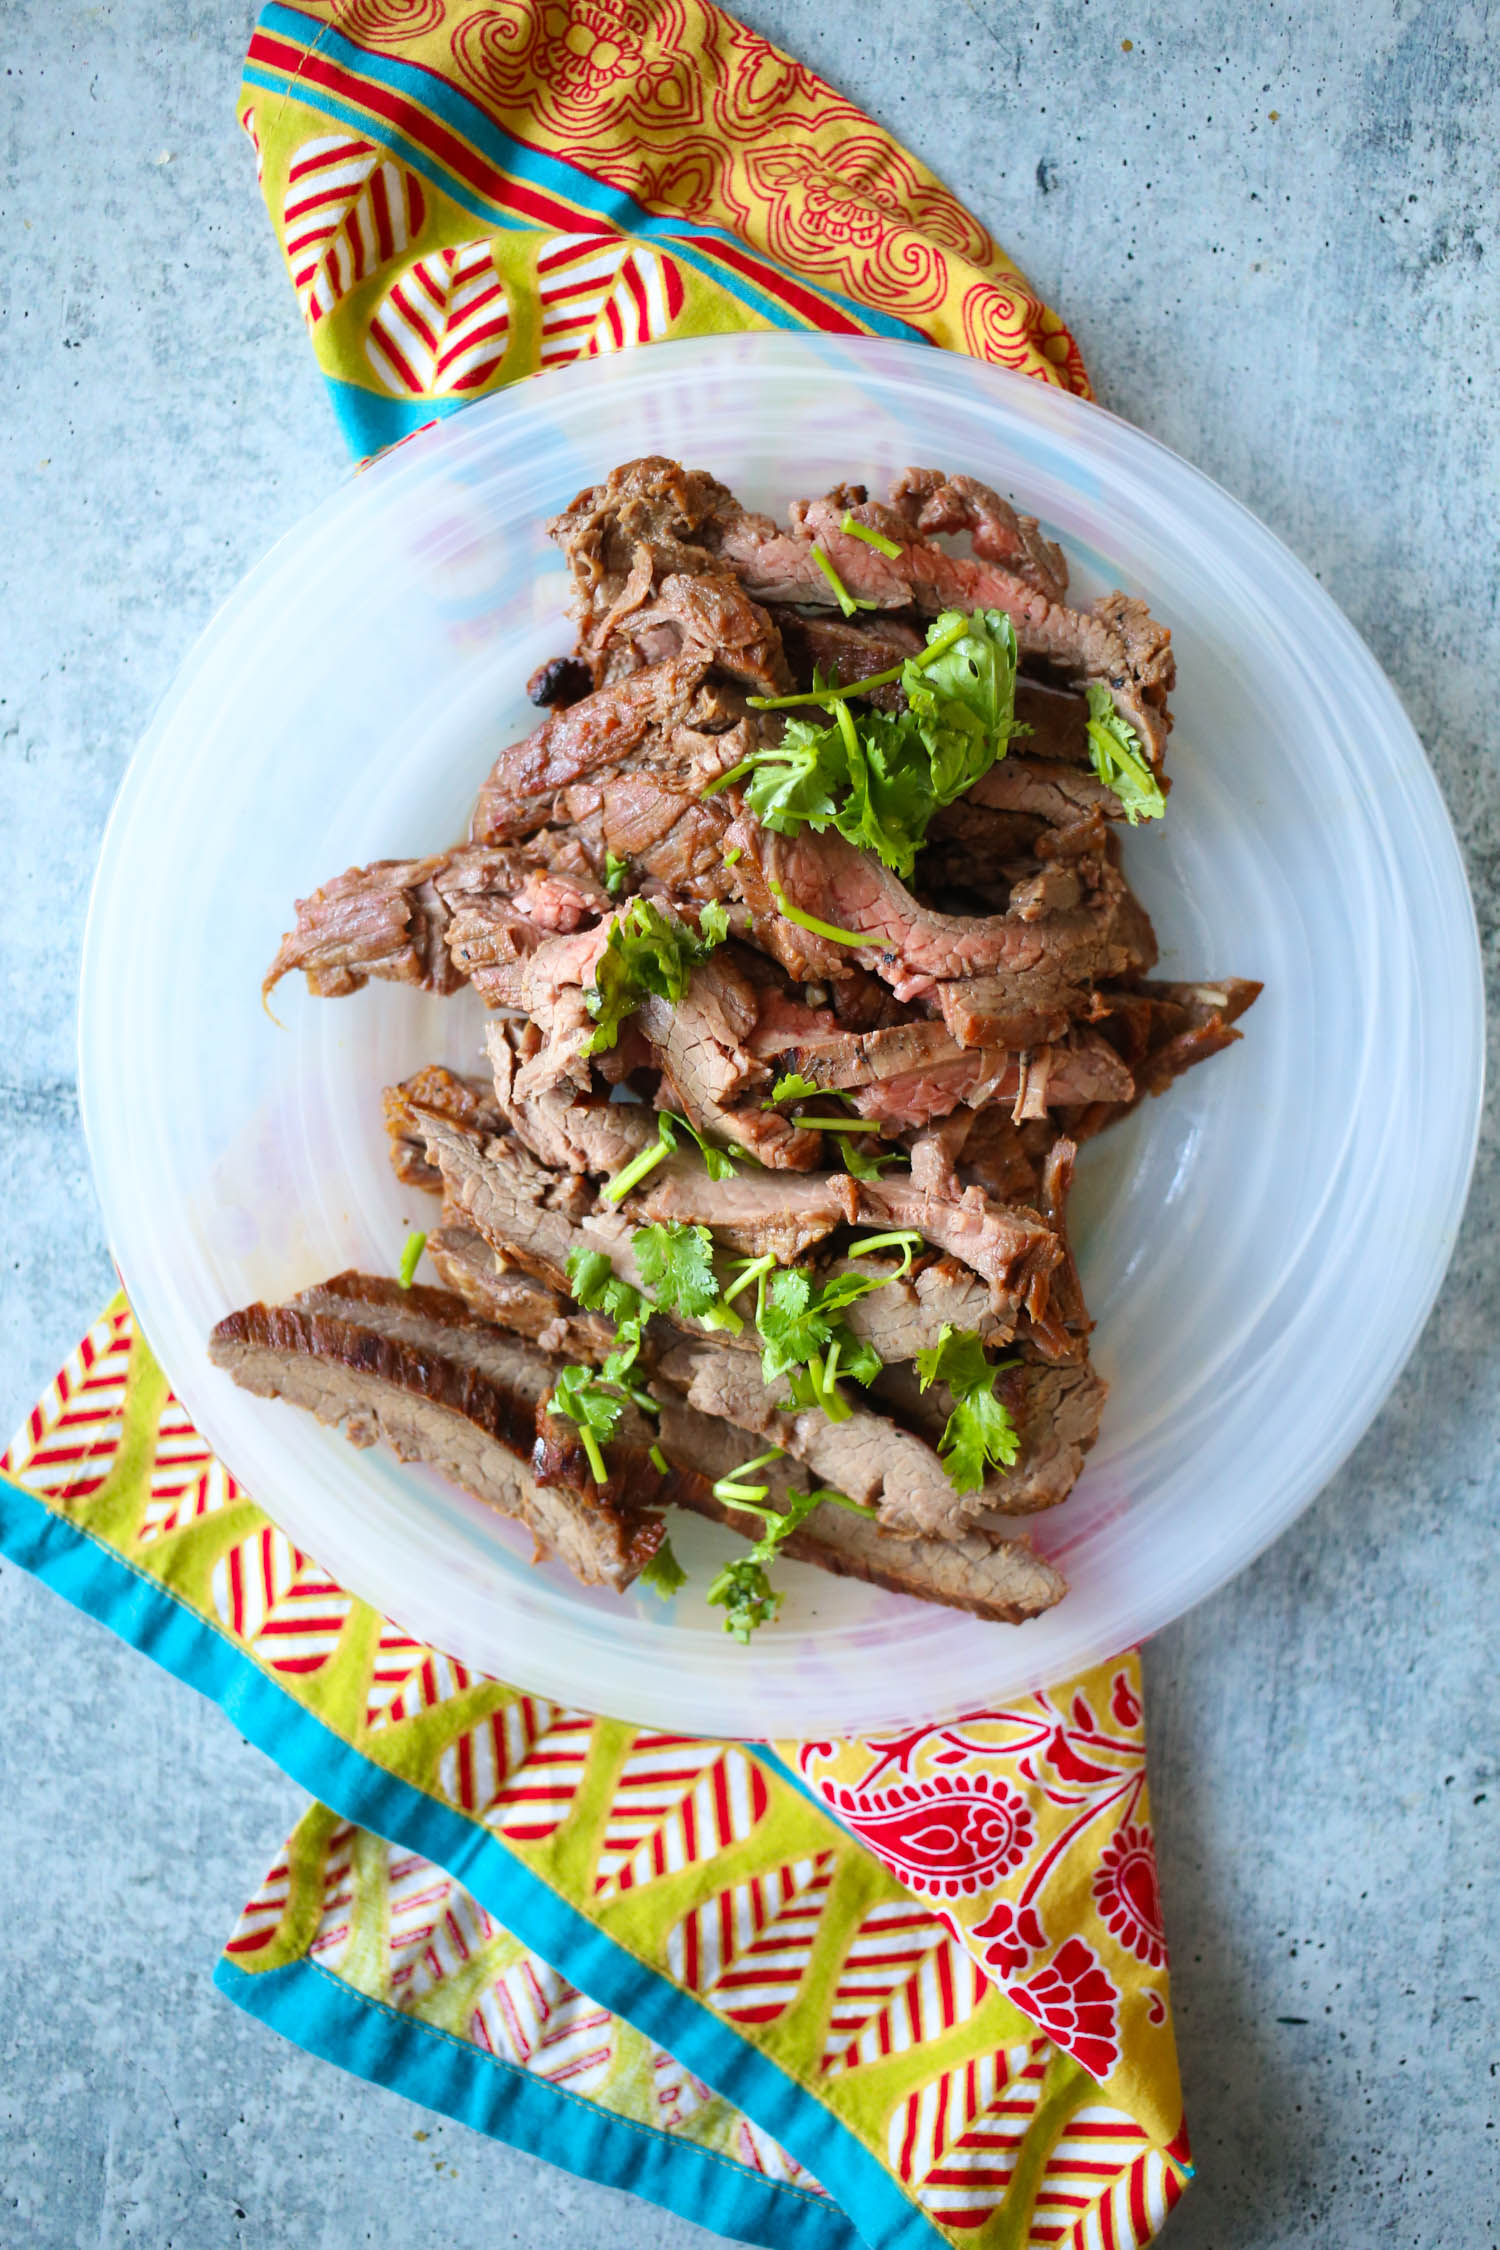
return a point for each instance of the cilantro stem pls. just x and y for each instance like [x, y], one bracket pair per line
[837, 1124]
[831, 695]
[636, 1170]
[590, 1446]
[411, 1258]
[847, 602]
[719, 1316]
[907, 1242]
[791, 913]
[871, 538]
[725, 779]
[755, 1269]
[734, 1494]
[659, 1462]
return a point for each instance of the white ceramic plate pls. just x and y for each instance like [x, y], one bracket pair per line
[1260, 1247]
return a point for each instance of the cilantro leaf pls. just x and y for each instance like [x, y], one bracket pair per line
[664, 1574]
[720, 1162]
[980, 1434]
[677, 1262]
[859, 1164]
[793, 1087]
[964, 700]
[598, 1288]
[1119, 761]
[647, 951]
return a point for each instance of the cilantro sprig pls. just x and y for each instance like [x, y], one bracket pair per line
[647, 951]
[980, 1434]
[595, 1398]
[742, 1588]
[880, 780]
[1119, 761]
[719, 1161]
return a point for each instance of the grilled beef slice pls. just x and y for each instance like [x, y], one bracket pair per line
[992, 1576]
[439, 1387]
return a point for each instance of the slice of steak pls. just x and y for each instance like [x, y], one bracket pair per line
[711, 1077]
[776, 1212]
[908, 1074]
[912, 946]
[707, 614]
[994, 1577]
[498, 1187]
[477, 1428]
[866, 1455]
[516, 1300]
[1056, 1410]
[568, 1131]
[588, 737]
[391, 920]
[843, 650]
[1115, 643]
[1162, 1029]
[932, 503]
[469, 1102]
[620, 537]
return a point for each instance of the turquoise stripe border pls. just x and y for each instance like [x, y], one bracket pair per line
[552, 174]
[97, 1580]
[319, 2012]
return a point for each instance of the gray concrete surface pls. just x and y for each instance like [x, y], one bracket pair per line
[1274, 228]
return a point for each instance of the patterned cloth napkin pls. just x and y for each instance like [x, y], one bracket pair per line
[903, 1991]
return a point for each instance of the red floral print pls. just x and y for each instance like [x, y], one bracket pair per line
[1126, 1894]
[1076, 2002]
[1015, 1936]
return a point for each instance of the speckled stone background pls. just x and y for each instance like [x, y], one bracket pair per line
[1274, 229]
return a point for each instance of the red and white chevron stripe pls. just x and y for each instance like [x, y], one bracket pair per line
[347, 211]
[677, 1800]
[250, 126]
[578, 2045]
[512, 2012]
[956, 2140]
[336, 1923]
[410, 1678]
[443, 326]
[598, 293]
[756, 2150]
[460, 1931]
[417, 1897]
[186, 1482]
[281, 1603]
[518, 1768]
[1129, 2214]
[747, 1949]
[1097, 2147]
[66, 1447]
[261, 1917]
[903, 1980]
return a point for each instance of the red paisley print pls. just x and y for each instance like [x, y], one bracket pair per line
[1126, 1894]
[949, 1836]
[1015, 1937]
[1077, 2004]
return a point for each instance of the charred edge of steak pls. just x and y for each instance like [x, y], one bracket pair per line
[430, 1406]
[559, 682]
